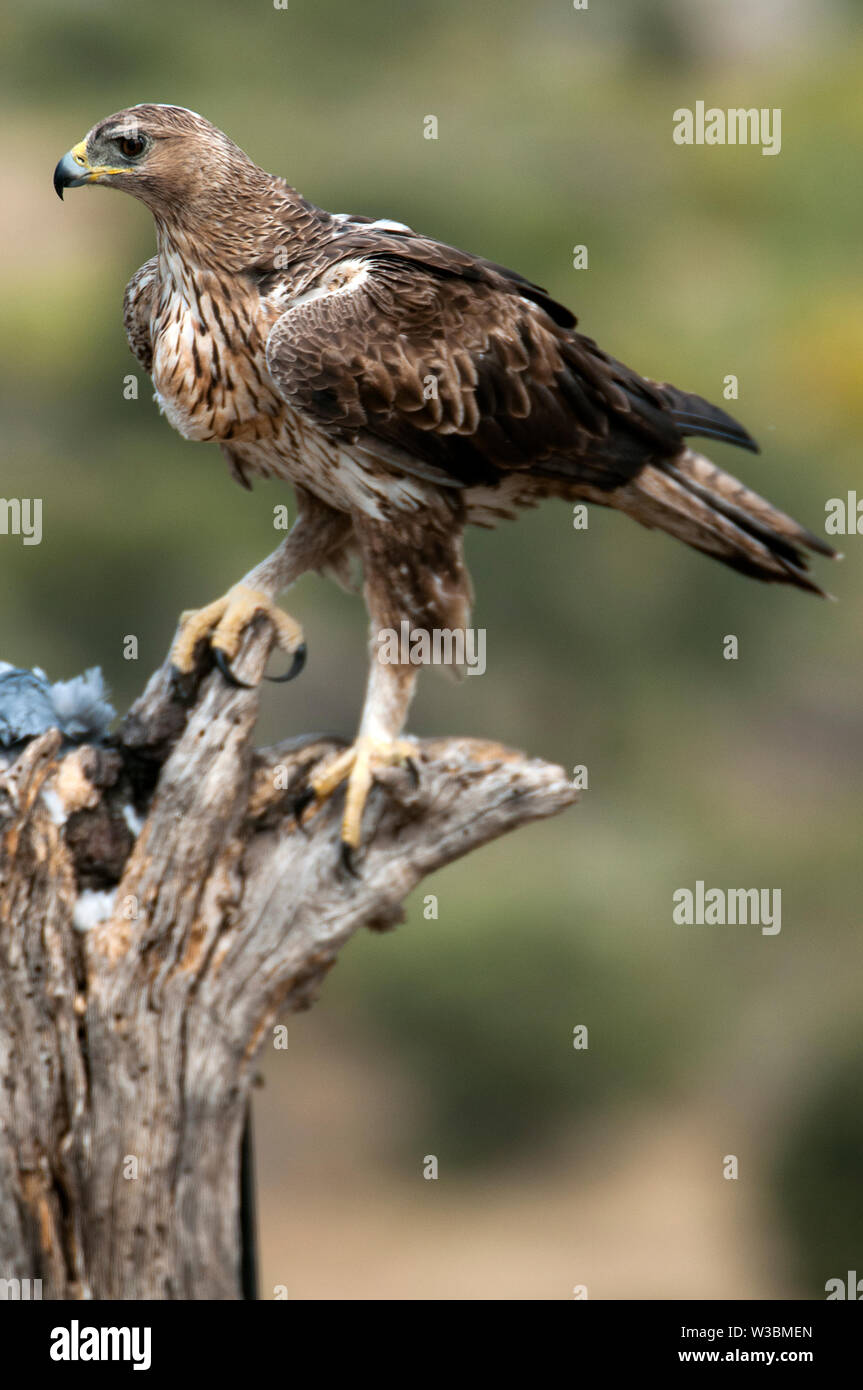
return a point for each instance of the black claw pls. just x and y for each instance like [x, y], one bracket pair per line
[305, 798]
[224, 666]
[181, 680]
[348, 860]
[297, 665]
[413, 770]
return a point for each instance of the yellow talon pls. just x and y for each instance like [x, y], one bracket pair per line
[224, 622]
[357, 766]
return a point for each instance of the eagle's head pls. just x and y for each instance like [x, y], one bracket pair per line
[165, 155]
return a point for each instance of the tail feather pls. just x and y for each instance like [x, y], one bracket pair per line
[725, 492]
[692, 499]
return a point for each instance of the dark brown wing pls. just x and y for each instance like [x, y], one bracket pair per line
[137, 307]
[458, 370]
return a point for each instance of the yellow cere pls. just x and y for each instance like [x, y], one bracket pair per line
[79, 154]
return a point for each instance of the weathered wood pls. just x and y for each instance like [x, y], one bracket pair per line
[127, 1049]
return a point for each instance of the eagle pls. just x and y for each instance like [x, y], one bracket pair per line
[406, 390]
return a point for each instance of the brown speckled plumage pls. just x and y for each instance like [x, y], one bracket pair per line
[405, 388]
[387, 373]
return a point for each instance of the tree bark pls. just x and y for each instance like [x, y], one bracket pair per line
[160, 906]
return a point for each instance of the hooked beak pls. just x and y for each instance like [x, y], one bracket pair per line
[75, 169]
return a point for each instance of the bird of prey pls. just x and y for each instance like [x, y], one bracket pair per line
[405, 389]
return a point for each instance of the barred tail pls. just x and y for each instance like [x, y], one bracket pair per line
[692, 499]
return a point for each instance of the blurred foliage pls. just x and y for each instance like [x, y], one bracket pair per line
[604, 647]
[817, 1177]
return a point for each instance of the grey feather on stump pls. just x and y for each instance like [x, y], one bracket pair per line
[159, 908]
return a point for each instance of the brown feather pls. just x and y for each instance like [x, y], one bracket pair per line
[389, 374]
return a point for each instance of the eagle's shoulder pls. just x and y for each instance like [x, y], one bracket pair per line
[433, 358]
[388, 244]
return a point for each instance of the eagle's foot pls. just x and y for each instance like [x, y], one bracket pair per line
[357, 766]
[223, 623]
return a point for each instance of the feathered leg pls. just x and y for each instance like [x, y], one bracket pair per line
[414, 572]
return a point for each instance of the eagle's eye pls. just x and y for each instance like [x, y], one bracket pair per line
[130, 146]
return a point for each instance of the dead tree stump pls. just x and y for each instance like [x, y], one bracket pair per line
[159, 906]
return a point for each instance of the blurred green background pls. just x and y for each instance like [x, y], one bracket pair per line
[454, 1037]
